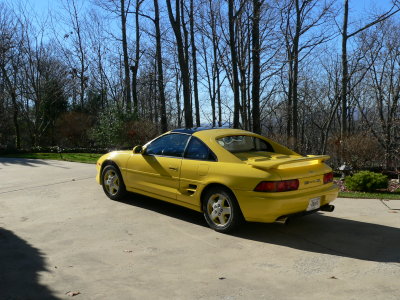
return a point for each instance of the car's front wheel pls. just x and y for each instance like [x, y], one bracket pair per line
[113, 185]
[221, 210]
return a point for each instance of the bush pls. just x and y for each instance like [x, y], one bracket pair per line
[360, 150]
[110, 128]
[118, 128]
[366, 181]
[72, 129]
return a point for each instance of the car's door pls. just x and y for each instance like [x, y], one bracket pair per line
[198, 161]
[157, 170]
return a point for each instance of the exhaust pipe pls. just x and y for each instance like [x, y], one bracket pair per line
[282, 220]
[328, 207]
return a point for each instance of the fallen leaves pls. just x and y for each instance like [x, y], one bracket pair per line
[72, 293]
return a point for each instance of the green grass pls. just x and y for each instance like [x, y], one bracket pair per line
[364, 195]
[89, 158]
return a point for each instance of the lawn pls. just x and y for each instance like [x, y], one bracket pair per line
[382, 195]
[89, 158]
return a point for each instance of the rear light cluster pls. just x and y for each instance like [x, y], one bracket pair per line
[286, 185]
[277, 186]
[328, 177]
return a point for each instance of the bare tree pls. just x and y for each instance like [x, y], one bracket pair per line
[160, 73]
[10, 59]
[307, 15]
[381, 111]
[135, 66]
[127, 80]
[234, 61]
[255, 92]
[194, 63]
[79, 61]
[176, 22]
[211, 60]
[345, 37]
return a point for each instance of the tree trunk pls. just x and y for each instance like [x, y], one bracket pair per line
[178, 99]
[295, 56]
[235, 76]
[127, 80]
[345, 75]
[80, 74]
[210, 80]
[290, 98]
[15, 121]
[156, 97]
[160, 73]
[194, 62]
[135, 67]
[255, 92]
[216, 65]
[183, 63]
[219, 98]
[13, 95]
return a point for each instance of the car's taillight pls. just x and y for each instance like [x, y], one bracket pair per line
[328, 177]
[277, 186]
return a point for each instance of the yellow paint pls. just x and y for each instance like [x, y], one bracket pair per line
[182, 181]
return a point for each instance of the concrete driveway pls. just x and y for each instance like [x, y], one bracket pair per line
[59, 233]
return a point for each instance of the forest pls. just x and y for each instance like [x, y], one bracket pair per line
[96, 74]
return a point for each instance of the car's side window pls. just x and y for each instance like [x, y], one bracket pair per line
[168, 145]
[198, 150]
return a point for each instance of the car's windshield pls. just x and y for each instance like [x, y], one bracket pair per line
[244, 143]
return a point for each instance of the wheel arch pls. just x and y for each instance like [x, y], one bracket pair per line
[106, 163]
[214, 185]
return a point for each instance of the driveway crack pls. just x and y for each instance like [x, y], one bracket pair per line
[44, 185]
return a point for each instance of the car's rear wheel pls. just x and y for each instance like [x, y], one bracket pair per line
[113, 185]
[221, 210]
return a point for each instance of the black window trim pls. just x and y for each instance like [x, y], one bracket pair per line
[186, 148]
[178, 133]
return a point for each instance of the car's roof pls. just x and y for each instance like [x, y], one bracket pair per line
[209, 136]
[194, 129]
[210, 130]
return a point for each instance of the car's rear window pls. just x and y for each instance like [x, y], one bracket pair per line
[244, 143]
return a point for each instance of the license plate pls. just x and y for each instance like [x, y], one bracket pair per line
[314, 203]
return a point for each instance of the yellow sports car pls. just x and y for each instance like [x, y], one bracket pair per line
[230, 175]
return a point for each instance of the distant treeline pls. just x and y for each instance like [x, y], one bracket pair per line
[115, 73]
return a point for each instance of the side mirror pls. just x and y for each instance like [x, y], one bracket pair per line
[138, 149]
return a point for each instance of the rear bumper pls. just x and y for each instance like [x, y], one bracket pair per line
[267, 207]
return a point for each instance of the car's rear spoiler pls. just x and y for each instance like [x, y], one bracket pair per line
[265, 163]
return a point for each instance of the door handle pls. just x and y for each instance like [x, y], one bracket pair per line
[173, 168]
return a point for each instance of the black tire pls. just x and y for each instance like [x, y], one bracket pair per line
[112, 182]
[221, 210]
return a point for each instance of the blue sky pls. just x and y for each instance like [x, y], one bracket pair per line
[357, 7]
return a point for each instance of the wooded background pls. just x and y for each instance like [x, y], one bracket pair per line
[115, 73]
